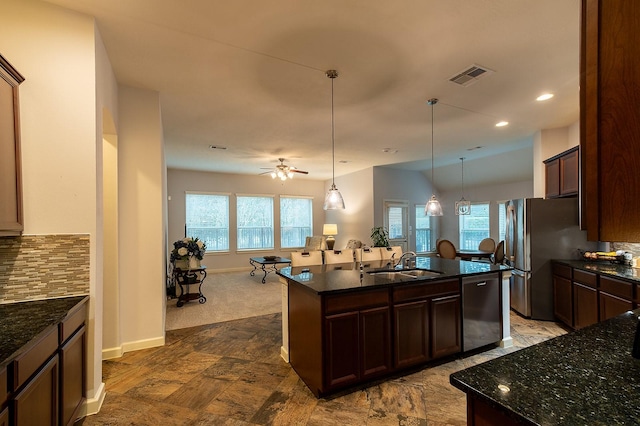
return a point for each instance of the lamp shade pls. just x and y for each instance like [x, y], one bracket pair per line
[330, 229]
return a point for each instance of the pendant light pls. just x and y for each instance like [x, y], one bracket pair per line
[433, 207]
[333, 200]
[463, 207]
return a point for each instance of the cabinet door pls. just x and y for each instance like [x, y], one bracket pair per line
[72, 377]
[37, 402]
[4, 417]
[569, 177]
[411, 326]
[445, 326]
[342, 358]
[585, 305]
[612, 306]
[10, 178]
[552, 179]
[609, 120]
[375, 341]
[562, 300]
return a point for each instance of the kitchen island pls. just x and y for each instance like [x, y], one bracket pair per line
[584, 377]
[349, 323]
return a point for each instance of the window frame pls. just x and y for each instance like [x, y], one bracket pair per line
[210, 246]
[238, 227]
[282, 216]
[463, 218]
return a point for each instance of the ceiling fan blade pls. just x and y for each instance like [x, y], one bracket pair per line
[299, 171]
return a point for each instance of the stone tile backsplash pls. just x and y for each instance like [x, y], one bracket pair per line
[34, 267]
[630, 247]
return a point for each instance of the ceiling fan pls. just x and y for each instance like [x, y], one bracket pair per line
[283, 171]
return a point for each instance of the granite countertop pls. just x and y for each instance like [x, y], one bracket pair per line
[22, 322]
[606, 268]
[584, 377]
[346, 277]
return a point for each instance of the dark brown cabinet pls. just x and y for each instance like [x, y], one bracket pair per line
[562, 174]
[4, 417]
[11, 222]
[445, 326]
[615, 297]
[609, 125]
[342, 349]
[37, 402]
[411, 326]
[562, 294]
[585, 298]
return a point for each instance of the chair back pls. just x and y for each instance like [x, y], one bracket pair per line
[498, 255]
[304, 258]
[338, 256]
[488, 244]
[388, 253]
[354, 244]
[315, 243]
[368, 254]
[446, 249]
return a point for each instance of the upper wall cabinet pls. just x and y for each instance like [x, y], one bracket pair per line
[11, 178]
[561, 174]
[610, 120]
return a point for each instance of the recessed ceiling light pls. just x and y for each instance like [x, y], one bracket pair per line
[501, 123]
[217, 147]
[544, 97]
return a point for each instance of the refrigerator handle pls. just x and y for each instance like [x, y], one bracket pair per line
[509, 233]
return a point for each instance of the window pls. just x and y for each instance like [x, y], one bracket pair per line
[207, 217]
[255, 222]
[423, 231]
[502, 220]
[474, 227]
[296, 221]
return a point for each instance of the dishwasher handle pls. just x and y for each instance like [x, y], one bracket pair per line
[480, 284]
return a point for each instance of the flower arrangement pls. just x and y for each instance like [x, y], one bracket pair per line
[187, 247]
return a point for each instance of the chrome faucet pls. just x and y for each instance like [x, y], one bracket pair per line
[407, 261]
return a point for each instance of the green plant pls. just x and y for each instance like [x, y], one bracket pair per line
[379, 236]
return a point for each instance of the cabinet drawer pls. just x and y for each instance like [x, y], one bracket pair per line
[586, 278]
[616, 287]
[562, 270]
[74, 320]
[30, 361]
[3, 387]
[421, 291]
[356, 301]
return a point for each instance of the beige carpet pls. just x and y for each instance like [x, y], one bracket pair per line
[229, 296]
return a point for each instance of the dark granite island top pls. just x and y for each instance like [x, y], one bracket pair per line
[584, 377]
[22, 322]
[346, 277]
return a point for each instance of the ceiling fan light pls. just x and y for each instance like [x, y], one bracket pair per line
[333, 200]
[433, 207]
[290, 175]
[273, 175]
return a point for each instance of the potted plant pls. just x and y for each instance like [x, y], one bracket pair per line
[188, 252]
[379, 236]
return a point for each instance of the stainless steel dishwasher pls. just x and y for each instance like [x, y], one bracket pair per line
[481, 319]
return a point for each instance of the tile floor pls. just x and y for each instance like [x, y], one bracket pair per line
[231, 373]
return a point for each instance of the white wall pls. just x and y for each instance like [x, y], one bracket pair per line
[181, 181]
[356, 220]
[55, 50]
[546, 144]
[492, 193]
[142, 225]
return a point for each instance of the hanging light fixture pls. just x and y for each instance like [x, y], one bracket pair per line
[333, 200]
[463, 207]
[433, 207]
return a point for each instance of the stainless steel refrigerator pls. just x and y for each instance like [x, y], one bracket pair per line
[539, 230]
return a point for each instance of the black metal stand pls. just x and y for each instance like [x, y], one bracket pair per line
[186, 278]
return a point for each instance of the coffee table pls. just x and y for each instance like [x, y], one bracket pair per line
[267, 265]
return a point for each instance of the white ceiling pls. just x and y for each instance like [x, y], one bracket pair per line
[249, 75]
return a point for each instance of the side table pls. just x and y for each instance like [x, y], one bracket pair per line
[268, 264]
[188, 277]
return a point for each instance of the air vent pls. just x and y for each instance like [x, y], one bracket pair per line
[470, 75]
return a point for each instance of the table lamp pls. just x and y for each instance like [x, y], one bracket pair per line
[330, 229]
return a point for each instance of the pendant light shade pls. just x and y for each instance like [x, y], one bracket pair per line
[333, 200]
[433, 207]
[463, 207]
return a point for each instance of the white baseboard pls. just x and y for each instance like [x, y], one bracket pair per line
[507, 342]
[93, 405]
[284, 354]
[112, 353]
[143, 344]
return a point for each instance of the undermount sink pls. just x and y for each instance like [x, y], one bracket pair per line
[405, 273]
